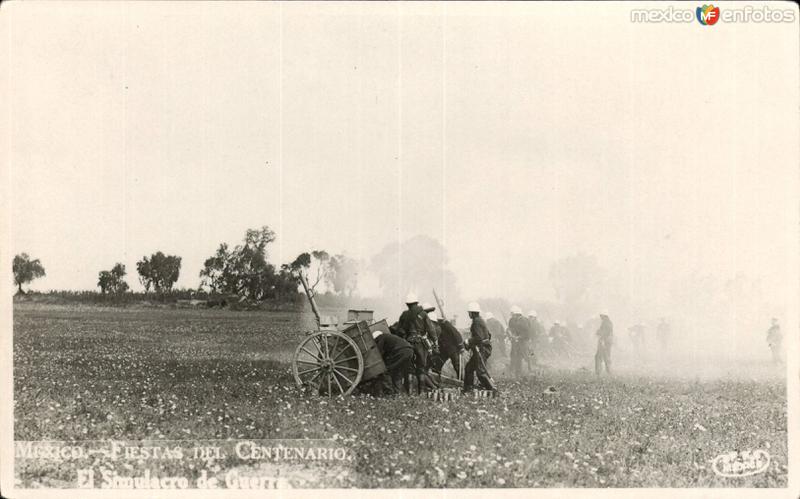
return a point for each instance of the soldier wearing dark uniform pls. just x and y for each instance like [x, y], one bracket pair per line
[480, 344]
[519, 329]
[605, 338]
[397, 354]
[416, 328]
[451, 345]
[538, 334]
[498, 333]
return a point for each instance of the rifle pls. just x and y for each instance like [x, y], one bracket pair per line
[439, 303]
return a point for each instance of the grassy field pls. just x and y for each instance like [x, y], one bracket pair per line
[93, 374]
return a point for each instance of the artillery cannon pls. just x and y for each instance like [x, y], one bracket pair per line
[333, 361]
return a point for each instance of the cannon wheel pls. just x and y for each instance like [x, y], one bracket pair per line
[328, 363]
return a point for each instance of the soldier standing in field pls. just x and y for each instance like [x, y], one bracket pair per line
[498, 333]
[480, 344]
[537, 334]
[415, 327]
[605, 338]
[774, 339]
[519, 330]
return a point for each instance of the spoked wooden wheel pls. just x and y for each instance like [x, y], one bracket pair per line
[328, 363]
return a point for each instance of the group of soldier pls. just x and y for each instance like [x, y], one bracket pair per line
[421, 343]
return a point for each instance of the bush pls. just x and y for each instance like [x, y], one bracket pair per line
[167, 298]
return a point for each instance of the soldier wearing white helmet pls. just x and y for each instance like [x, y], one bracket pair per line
[480, 344]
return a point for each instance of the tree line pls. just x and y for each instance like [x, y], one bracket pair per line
[243, 270]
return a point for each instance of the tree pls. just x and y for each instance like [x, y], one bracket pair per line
[343, 274]
[314, 267]
[160, 271]
[286, 283]
[26, 270]
[245, 269]
[419, 264]
[112, 281]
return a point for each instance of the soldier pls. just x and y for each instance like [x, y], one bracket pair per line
[537, 334]
[774, 338]
[451, 345]
[498, 333]
[519, 330]
[480, 344]
[605, 338]
[415, 327]
[397, 354]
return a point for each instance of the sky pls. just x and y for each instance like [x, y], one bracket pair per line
[514, 134]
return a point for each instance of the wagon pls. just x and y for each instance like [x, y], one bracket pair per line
[333, 361]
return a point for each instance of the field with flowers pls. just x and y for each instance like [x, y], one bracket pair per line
[145, 374]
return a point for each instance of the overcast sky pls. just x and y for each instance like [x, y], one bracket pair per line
[513, 133]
